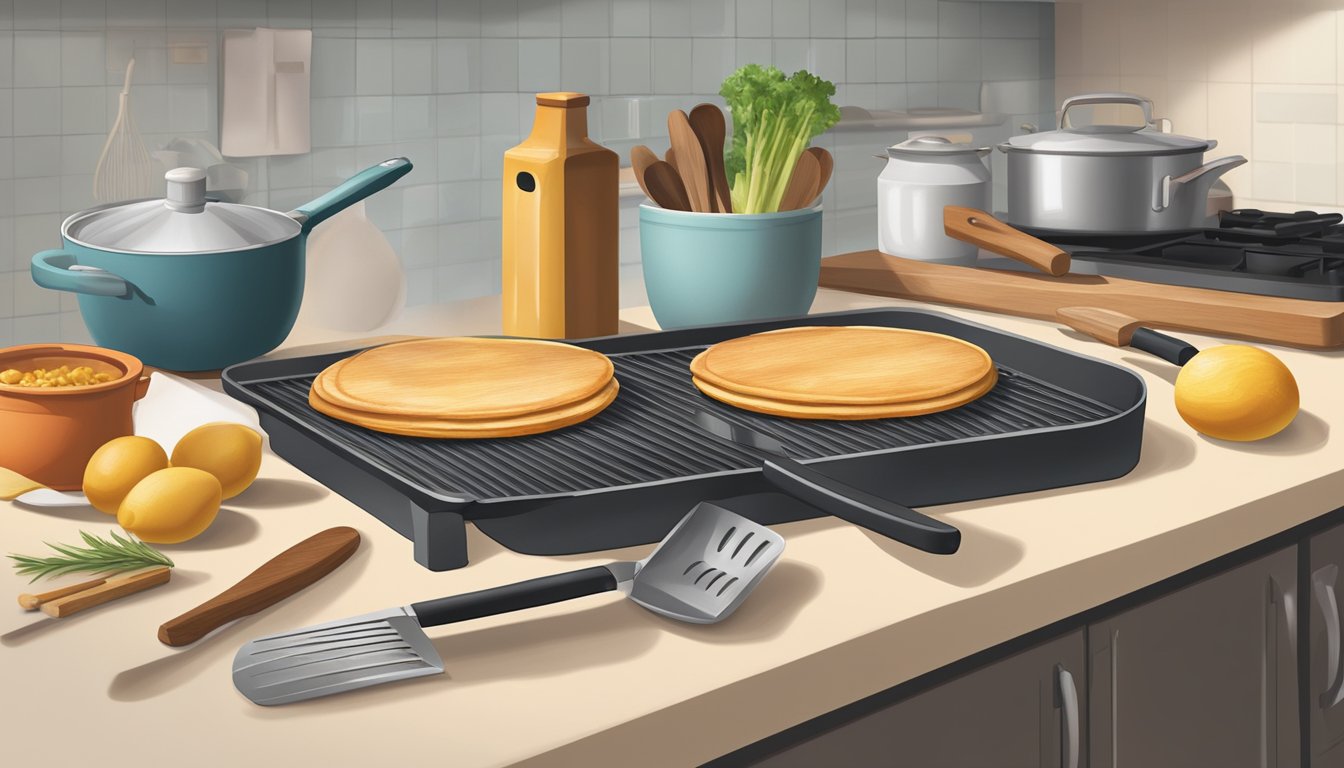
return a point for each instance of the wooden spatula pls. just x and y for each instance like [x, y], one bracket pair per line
[690, 160]
[286, 573]
[979, 228]
[802, 187]
[827, 164]
[664, 185]
[707, 120]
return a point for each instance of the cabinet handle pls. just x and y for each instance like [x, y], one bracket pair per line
[1323, 587]
[1066, 699]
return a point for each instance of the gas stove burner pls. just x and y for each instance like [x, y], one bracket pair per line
[1299, 224]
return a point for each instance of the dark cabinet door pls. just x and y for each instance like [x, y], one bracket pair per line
[1027, 710]
[1205, 676]
[1325, 670]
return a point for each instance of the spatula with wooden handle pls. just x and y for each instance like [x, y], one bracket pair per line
[1121, 330]
[707, 120]
[802, 187]
[278, 578]
[979, 228]
[827, 165]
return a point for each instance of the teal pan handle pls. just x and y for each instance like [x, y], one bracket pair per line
[60, 271]
[351, 191]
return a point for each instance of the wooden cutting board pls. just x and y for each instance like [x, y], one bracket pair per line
[455, 379]
[1295, 322]
[423, 426]
[850, 412]
[843, 366]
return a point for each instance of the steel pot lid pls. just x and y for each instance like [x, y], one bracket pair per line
[928, 146]
[184, 222]
[1107, 140]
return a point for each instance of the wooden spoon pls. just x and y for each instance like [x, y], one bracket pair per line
[641, 157]
[802, 187]
[707, 120]
[665, 187]
[690, 160]
[979, 228]
[827, 163]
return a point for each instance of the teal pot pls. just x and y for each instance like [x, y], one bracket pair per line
[189, 284]
[707, 268]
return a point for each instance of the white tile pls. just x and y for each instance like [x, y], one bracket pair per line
[1014, 97]
[500, 116]
[539, 65]
[420, 205]
[499, 18]
[1302, 51]
[791, 18]
[753, 18]
[1313, 145]
[792, 55]
[891, 95]
[1010, 59]
[373, 116]
[670, 18]
[860, 61]
[83, 61]
[241, 14]
[459, 201]
[921, 18]
[33, 234]
[189, 108]
[37, 59]
[373, 17]
[889, 18]
[6, 60]
[458, 114]
[186, 13]
[7, 297]
[630, 66]
[149, 105]
[827, 18]
[37, 329]
[413, 117]
[468, 280]
[921, 60]
[1273, 143]
[459, 158]
[713, 18]
[630, 18]
[413, 18]
[37, 156]
[958, 60]
[137, 13]
[860, 18]
[1296, 104]
[539, 18]
[333, 121]
[332, 166]
[419, 248]
[827, 60]
[890, 60]
[7, 172]
[492, 200]
[72, 328]
[84, 110]
[460, 242]
[1011, 19]
[754, 51]
[459, 65]
[670, 73]
[373, 67]
[1272, 180]
[37, 111]
[333, 67]
[290, 171]
[585, 18]
[459, 18]
[88, 14]
[289, 14]
[1231, 116]
[413, 66]
[713, 59]
[499, 65]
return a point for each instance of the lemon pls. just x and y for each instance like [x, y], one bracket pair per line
[117, 466]
[1236, 392]
[171, 505]
[230, 452]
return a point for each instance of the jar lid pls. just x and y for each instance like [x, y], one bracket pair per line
[183, 222]
[934, 145]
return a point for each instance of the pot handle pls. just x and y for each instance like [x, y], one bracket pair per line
[1208, 173]
[141, 387]
[349, 192]
[59, 271]
[1108, 97]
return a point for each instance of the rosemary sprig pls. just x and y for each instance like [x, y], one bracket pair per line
[101, 556]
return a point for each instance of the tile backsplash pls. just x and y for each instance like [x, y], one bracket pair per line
[450, 85]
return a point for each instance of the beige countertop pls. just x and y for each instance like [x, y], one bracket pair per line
[844, 614]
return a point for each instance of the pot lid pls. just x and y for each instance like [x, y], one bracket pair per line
[184, 222]
[1107, 140]
[934, 145]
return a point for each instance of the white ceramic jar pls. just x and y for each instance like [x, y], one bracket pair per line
[922, 176]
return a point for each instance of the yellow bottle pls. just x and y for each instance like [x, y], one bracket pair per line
[560, 227]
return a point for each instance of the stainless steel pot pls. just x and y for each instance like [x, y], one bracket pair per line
[1110, 178]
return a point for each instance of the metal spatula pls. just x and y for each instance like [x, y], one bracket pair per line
[700, 573]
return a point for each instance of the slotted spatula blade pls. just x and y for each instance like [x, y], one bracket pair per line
[335, 657]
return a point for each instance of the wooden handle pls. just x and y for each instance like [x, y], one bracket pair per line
[109, 590]
[641, 157]
[665, 188]
[278, 578]
[979, 228]
[690, 160]
[31, 602]
[1104, 325]
[827, 164]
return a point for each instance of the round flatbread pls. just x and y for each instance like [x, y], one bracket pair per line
[850, 412]
[530, 424]
[466, 378]
[843, 365]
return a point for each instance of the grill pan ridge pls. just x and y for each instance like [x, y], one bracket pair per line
[627, 475]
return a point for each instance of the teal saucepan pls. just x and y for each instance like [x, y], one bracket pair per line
[189, 284]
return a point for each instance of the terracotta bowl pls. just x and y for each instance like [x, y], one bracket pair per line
[48, 434]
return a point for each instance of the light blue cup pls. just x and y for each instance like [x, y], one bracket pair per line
[707, 268]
